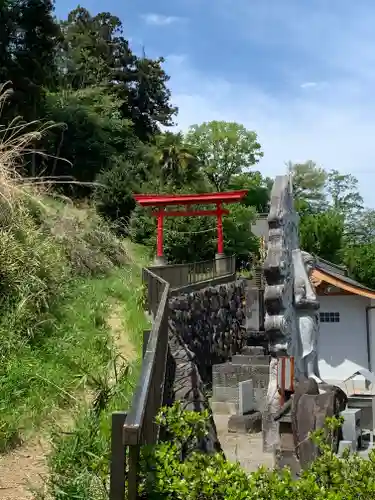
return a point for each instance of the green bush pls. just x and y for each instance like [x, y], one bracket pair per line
[113, 193]
[175, 470]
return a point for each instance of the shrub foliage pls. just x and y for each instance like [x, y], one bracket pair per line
[176, 470]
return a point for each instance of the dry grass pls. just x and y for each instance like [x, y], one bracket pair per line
[70, 320]
[53, 305]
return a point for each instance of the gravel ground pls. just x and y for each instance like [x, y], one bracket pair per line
[247, 449]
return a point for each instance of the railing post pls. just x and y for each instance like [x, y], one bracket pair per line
[133, 473]
[146, 336]
[117, 472]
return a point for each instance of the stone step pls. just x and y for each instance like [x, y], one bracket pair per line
[253, 350]
[226, 378]
[244, 359]
[245, 423]
[343, 445]
[223, 407]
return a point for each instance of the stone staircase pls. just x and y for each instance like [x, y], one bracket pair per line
[239, 389]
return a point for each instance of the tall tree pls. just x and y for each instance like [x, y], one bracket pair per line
[259, 189]
[345, 197]
[224, 149]
[308, 186]
[28, 45]
[177, 165]
[95, 52]
[322, 234]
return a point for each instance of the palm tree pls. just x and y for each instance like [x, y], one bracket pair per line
[177, 162]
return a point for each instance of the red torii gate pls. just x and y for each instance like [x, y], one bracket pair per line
[160, 202]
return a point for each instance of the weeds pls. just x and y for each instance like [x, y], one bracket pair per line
[59, 268]
[79, 463]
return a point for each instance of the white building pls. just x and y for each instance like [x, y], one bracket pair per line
[347, 326]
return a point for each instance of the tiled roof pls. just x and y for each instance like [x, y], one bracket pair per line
[339, 273]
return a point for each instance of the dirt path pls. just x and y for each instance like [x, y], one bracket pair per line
[25, 468]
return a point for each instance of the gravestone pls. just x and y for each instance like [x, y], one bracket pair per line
[246, 402]
[226, 378]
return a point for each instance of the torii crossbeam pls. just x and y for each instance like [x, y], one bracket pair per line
[159, 204]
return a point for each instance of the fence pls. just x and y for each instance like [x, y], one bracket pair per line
[131, 430]
[137, 427]
[181, 275]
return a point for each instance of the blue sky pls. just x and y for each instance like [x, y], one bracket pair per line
[301, 73]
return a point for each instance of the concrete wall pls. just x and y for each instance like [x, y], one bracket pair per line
[342, 345]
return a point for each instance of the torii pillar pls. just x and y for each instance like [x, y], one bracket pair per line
[159, 204]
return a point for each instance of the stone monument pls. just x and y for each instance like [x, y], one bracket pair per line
[292, 327]
[306, 305]
[280, 313]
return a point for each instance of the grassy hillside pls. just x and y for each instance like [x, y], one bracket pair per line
[68, 291]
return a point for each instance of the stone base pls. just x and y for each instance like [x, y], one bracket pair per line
[223, 407]
[248, 350]
[245, 423]
[159, 261]
[246, 359]
[221, 264]
[285, 456]
[344, 444]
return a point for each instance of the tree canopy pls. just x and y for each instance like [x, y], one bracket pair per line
[112, 113]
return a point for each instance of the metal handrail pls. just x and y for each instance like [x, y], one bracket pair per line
[135, 418]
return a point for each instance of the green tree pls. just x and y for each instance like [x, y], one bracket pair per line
[259, 189]
[92, 138]
[28, 41]
[360, 260]
[176, 162]
[238, 238]
[308, 186]
[224, 149]
[94, 52]
[114, 189]
[322, 234]
[345, 198]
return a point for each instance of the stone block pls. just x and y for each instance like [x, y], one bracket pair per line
[223, 408]
[244, 359]
[253, 350]
[245, 423]
[225, 394]
[286, 436]
[246, 400]
[253, 308]
[351, 428]
[344, 445]
[227, 376]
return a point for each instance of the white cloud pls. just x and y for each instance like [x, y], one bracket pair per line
[308, 85]
[334, 127]
[160, 19]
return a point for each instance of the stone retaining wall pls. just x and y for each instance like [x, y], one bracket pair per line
[209, 322]
[204, 329]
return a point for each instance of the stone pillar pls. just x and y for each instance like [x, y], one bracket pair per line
[280, 317]
[221, 264]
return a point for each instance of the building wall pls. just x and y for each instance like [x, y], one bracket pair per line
[342, 345]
